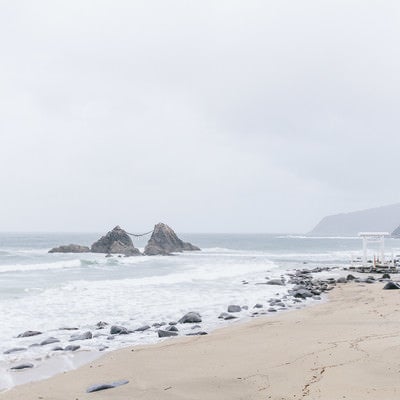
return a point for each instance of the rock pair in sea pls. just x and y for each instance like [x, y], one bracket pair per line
[163, 241]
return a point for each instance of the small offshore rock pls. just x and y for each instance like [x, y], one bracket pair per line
[258, 305]
[81, 336]
[385, 276]
[70, 248]
[391, 285]
[49, 341]
[342, 279]
[234, 308]
[22, 366]
[271, 309]
[72, 347]
[29, 334]
[190, 318]
[118, 330]
[14, 350]
[104, 386]
[162, 333]
[57, 348]
[350, 277]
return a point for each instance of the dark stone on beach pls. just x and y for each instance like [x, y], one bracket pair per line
[101, 325]
[302, 293]
[226, 316]
[142, 328]
[172, 328]
[391, 285]
[316, 297]
[72, 347]
[14, 350]
[276, 282]
[162, 333]
[104, 386]
[29, 334]
[102, 348]
[67, 328]
[350, 277]
[258, 306]
[70, 248]
[172, 323]
[22, 366]
[385, 276]
[159, 324]
[118, 330]
[196, 327]
[116, 241]
[234, 308]
[164, 241]
[190, 318]
[271, 309]
[57, 348]
[81, 336]
[201, 333]
[342, 279]
[49, 341]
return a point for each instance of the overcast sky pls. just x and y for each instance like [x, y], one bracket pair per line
[212, 116]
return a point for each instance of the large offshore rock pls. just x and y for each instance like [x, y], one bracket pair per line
[164, 241]
[70, 248]
[116, 241]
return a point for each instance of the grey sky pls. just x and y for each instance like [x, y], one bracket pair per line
[213, 116]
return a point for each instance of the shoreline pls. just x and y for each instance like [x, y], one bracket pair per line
[342, 338]
[53, 363]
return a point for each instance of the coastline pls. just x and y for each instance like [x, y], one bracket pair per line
[347, 347]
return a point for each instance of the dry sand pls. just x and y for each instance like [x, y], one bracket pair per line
[347, 348]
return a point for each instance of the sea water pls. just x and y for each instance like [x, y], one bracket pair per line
[51, 292]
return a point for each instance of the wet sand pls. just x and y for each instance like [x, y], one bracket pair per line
[346, 348]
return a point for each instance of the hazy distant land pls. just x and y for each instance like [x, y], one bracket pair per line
[383, 219]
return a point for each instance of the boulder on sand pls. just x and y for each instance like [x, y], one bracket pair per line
[164, 241]
[116, 241]
[70, 248]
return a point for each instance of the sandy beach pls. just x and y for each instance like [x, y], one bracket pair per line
[346, 348]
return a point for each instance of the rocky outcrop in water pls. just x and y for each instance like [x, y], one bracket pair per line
[70, 248]
[116, 241]
[164, 241]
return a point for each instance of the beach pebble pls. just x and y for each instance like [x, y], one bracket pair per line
[226, 316]
[350, 277]
[72, 347]
[276, 282]
[158, 324]
[385, 276]
[57, 348]
[162, 333]
[118, 330]
[142, 328]
[29, 334]
[101, 324]
[14, 350]
[271, 309]
[102, 348]
[201, 333]
[342, 279]
[234, 308]
[22, 366]
[49, 341]
[258, 305]
[104, 386]
[190, 318]
[172, 328]
[391, 285]
[81, 336]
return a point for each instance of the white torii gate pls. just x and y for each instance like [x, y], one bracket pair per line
[373, 237]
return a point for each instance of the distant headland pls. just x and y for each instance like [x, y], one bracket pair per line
[382, 219]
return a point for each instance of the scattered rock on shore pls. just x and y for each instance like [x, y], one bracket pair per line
[104, 386]
[162, 333]
[22, 366]
[118, 330]
[29, 334]
[164, 241]
[234, 308]
[14, 350]
[70, 248]
[190, 318]
[391, 285]
[116, 241]
[81, 336]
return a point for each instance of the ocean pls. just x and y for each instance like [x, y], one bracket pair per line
[51, 292]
